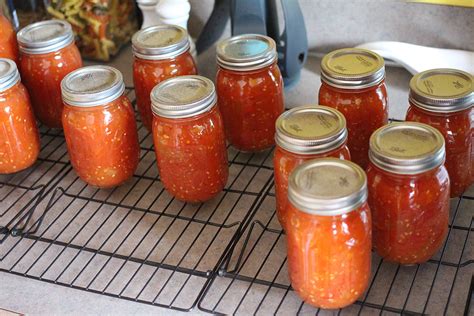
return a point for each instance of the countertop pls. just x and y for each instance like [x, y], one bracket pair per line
[34, 297]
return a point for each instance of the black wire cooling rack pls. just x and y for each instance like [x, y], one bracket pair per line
[227, 256]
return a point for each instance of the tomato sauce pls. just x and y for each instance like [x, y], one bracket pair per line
[19, 139]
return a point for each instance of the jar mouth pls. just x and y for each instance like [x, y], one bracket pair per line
[311, 130]
[327, 187]
[160, 42]
[92, 86]
[9, 74]
[246, 52]
[45, 37]
[352, 68]
[442, 90]
[183, 97]
[407, 148]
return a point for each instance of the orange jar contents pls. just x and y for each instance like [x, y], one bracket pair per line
[353, 83]
[19, 139]
[8, 43]
[161, 52]
[47, 55]
[99, 126]
[302, 134]
[250, 90]
[444, 98]
[408, 192]
[189, 138]
[329, 234]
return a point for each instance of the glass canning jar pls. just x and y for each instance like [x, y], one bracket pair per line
[47, 54]
[99, 126]
[189, 138]
[161, 52]
[305, 133]
[250, 89]
[353, 82]
[19, 138]
[329, 233]
[444, 99]
[408, 191]
[8, 43]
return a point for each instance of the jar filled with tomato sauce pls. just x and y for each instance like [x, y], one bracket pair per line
[329, 233]
[161, 52]
[47, 54]
[408, 191]
[189, 138]
[250, 89]
[305, 133]
[99, 126]
[19, 139]
[353, 82]
[8, 43]
[444, 98]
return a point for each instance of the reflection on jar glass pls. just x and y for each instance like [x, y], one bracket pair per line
[99, 126]
[353, 82]
[329, 234]
[47, 55]
[250, 90]
[189, 139]
[408, 192]
[444, 99]
[302, 134]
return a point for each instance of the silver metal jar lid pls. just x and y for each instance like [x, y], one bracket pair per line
[407, 148]
[352, 68]
[310, 130]
[327, 187]
[9, 74]
[160, 42]
[92, 86]
[183, 96]
[246, 52]
[442, 90]
[45, 37]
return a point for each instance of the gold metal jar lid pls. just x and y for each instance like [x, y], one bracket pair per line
[9, 74]
[45, 37]
[407, 148]
[442, 90]
[160, 42]
[183, 96]
[352, 68]
[327, 187]
[92, 86]
[310, 129]
[246, 52]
